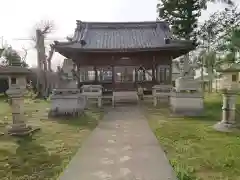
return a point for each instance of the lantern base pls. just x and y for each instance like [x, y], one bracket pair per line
[21, 130]
[187, 104]
[224, 126]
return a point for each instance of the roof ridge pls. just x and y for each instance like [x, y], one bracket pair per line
[119, 25]
[123, 22]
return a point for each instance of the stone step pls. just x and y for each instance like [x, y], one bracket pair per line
[125, 96]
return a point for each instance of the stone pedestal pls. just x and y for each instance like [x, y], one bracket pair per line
[67, 102]
[186, 103]
[187, 99]
[93, 92]
[161, 93]
[228, 121]
[19, 127]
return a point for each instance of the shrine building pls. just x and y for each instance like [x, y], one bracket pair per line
[122, 56]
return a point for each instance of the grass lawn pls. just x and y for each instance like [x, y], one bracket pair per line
[193, 147]
[44, 155]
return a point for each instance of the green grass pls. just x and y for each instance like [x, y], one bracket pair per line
[193, 147]
[44, 155]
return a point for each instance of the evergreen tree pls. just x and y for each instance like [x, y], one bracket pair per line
[12, 58]
[182, 16]
[217, 30]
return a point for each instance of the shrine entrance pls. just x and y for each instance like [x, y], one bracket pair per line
[124, 77]
[131, 77]
[118, 78]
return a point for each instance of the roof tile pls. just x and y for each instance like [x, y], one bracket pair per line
[124, 36]
[121, 35]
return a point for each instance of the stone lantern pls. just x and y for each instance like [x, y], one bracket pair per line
[66, 98]
[17, 86]
[229, 86]
[186, 98]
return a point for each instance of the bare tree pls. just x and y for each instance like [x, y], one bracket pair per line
[49, 57]
[45, 26]
[25, 54]
[42, 29]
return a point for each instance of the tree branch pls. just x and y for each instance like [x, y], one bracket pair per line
[45, 26]
[25, 54]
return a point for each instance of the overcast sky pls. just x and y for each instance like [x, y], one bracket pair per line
[19, 17]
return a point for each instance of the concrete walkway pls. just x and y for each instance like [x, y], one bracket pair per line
[122, 147]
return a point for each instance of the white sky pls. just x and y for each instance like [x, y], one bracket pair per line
[19, 17]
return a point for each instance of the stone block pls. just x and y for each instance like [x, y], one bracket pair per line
[187, 84]
[187, 104]
[67, 102]
[125, 97]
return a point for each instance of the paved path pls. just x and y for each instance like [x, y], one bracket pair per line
[122, 147]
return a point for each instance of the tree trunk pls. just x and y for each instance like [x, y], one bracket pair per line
[202, 78]
[41, 82]
[210, 74]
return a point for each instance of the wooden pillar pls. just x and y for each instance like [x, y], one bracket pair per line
[136, 75]
[153, 70]
[78, 75]
[113, 74]
[113, 81]
[95, 74]
[170, 71]
[144, 73]
[165, 80]
[86, 74]
[157, 73]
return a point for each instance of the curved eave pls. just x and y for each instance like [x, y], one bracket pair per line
[69, 49]
[178, 50]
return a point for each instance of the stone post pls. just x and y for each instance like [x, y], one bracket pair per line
[225, 108]
[18, 126]
[232, 109]
[154, 101]
[228, 113]
[99, 101]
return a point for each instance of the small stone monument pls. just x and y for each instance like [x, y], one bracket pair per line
[17, 86]
[161, 93]
[140, 92]
[229, 87]
[66, 99]
[93, 92]
[186, 98]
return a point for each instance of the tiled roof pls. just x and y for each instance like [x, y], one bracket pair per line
[120, 36]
